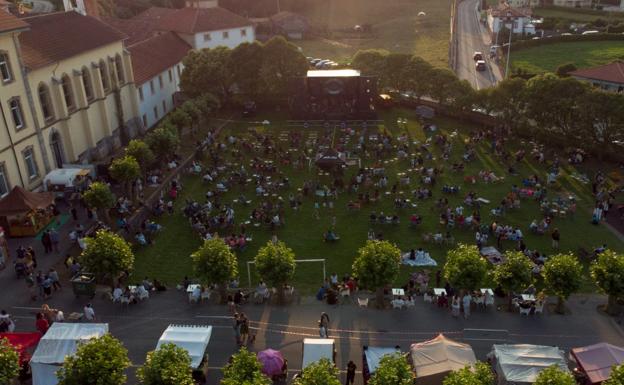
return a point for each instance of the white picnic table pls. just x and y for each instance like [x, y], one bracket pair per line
[398, 292]
[528, 297]
[191, 288]
[489, 291]
[439, 291]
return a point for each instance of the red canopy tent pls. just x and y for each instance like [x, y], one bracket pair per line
[22, 342]
[597, 360]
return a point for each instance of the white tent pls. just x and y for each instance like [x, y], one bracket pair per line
[194, 339]
[374, 354]
[60, 341]
[432, 360]
[316, 348]
[518, 364]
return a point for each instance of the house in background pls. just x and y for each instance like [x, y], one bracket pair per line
[504, 15]
[524, 3]
[609, 77]
[573, 3]
[289, 24]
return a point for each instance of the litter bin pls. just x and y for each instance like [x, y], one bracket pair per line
[84, 284]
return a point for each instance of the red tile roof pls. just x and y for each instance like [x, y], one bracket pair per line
[195, 20]
[136, 30]
[56, 36]
[612, 72]
[154, 14]
[9, 22]
[153, 56]
[506, 10]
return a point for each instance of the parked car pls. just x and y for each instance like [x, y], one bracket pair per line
[480, 65]
[477, 56]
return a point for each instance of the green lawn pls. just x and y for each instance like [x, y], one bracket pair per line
[168, 259]
[583, 54]
[576, 14]
[395, 23]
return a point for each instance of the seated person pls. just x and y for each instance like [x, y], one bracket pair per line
[320, 294]
[147, 284]
[330, 236]
[262, 291]
[141, 292]
[140, 238]
[117, 294]
[158, 286]
[196, 294]
[398, 302]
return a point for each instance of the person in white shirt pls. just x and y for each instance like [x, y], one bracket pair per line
[117, 293]
[89, 313]
[334, 279]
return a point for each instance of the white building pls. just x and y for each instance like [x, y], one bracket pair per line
[504, 15]
[609, 77]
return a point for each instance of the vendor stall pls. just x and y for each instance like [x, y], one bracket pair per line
[25, 213]
[60, 341]
[520, 364]
[432, 360]
[596, 361]
[193, 339]
[316, 348]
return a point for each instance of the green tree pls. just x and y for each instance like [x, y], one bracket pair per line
[100, 361]
[393, 369]
[553, 375]
[394, 71]
[208, 104]
[9, 362]
[282, 62]
[107, 254]
[370, 62]
[444, 83]
[214, 262]
[181, 119]
[125, 171]
[169, 365]
[563, 71]
[244, 369]
[163, 140]
[617, 376]
[608, 273]
[507, 99]
[100, 198]
[322, 372]
[141, 151]
[377, 265]
[604, 121]
[207, 70]
[416, 74]
[246, 62]
[514, 274]
[562, 276]
[192, 110]
[276, 265]
[464, 267]
[481, 374]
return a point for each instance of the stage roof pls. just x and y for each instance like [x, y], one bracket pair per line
[333, 73]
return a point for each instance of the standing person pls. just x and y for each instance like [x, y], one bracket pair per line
[74, 213]
[351, 367]
[41, 324]
[244, 329]
[55, 238]
[466, 302]
[556, 236]
[56, 283]
[39, 280]
[237, 328]
[455, 307]
[6, 323]
[89, 313]
[46, 241]
[325, 324]
[31, 252]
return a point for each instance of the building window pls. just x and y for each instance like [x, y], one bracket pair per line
[164, 106]
[144, 120]
[207, 37]
[46, 102]
[155, 112]
[170, 75]
[226, 34]
[140, 93]
[160, 81]
[4, 182]
[31, 164]
[86, 82]
[68, 93]
[16, 113]
[243, 32]
[5, 68]
[104, 76]
[120, 69]
[152, 87]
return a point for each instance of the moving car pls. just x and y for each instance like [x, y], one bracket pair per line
[477, 56]
[480, 65]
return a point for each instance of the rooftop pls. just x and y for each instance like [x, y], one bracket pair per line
[156, 54]
[57, 36]
[612, 72]
[505, 10]
[136, 30]
[195, 20]
[9, 22]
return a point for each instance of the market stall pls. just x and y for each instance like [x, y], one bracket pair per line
[60, 340]
[25, 213]
[596, 361]
[316, 348]
[520, 364]
[432, 360]
[371, 355]
[193, 339]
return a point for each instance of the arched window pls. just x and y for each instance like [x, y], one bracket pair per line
[120, 69]
[86, 82]
[68, 92]
[16, 112]
[104, 76]
[46, 102]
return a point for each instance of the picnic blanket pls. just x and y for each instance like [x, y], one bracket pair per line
[421, 260]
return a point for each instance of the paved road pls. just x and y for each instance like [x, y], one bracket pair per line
[471, 37]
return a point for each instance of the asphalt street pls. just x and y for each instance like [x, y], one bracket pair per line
[472, 36]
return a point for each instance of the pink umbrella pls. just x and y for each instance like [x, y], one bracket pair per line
[272, 362]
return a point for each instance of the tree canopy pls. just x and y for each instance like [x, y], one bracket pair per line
[481, 374]
[275, 263]
[514, 274]
[214, 263]
[377, 264]
[140, 151]
[562, 277]
[169, 365]
[465, 268]
[322, 372]
[9, 362]
[163, 140]
[244, 369]
[393, 369]
[102, 360]
[608, 273]
[554, 376]
[617, 376]
[99, 196]
[107, 254]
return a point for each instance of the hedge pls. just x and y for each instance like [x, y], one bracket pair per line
[523, 44]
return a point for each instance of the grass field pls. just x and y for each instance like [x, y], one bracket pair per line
[576, 14]
[396, 27]
[583, 54]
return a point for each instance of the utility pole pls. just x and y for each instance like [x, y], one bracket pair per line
[508, 50]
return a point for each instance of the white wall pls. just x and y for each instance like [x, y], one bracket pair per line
[146, 107]
[496, 24]
[234, 38]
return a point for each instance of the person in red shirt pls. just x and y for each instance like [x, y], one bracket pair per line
[42, 324]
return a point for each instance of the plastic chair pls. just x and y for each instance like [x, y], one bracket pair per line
[362, 302]
[428, 298]
[525, 311]
[539, 308]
